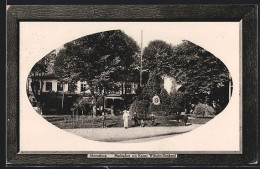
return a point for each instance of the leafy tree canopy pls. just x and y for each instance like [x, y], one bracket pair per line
[197, 70]
[37, 73]
[99, 59]
[156, 56]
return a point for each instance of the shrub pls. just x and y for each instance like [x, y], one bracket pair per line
[152, 87]
[163, 113]
[165, 101]
[203, 109]
[140, 107]
[155, 108]
[171, 103]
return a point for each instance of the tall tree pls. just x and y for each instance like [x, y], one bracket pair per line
[196, 69]
[155, 60]
[156, 57]
[100, 59]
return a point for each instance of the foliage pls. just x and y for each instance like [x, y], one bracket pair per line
[177, 102]
[152, 87]
[100, 59]
[165, 100]
[156, 109]
[196, 69]
[81, 102]
[203, 109]
[109, 58]
[37, 73]
[140, 108]
[155, 57]
[52, 103]
[173, 102]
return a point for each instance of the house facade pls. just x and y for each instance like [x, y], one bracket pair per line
[112, 98]
[53, 85]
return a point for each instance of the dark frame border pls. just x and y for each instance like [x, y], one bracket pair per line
[245, 13]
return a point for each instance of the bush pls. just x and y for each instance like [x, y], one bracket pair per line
[162, 113]
[152, 87]
[53, 103]
[155, 108]
[140, 107]
[203, 109]
[171, 103]
[165, 101]
[177, 102]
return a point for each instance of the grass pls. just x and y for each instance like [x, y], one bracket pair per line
[83, 121]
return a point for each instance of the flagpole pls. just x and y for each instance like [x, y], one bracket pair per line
[141, 60]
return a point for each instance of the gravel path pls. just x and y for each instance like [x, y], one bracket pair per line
[122, 134]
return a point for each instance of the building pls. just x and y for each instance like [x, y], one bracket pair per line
[51, 84]
[112, 98]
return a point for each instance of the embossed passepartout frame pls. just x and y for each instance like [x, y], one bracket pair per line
[246, 14]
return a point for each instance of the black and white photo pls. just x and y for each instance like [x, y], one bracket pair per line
[130, 86]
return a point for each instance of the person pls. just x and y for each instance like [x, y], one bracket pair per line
[178, 116]
[192, 107]
[185, 119]
[216, 107]
[135, 118]
[125, 118]
[152, 118]
[104, 120]
[142, 123]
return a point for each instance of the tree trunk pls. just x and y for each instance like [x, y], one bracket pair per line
[82, 120]
[62, 101]
[73, 117]
[125, 87]
[33, 89]
[112, 110]
[33, 86]
[94, 102]
[122, 86]
[95, 110]
[41, 87]
[77, 114]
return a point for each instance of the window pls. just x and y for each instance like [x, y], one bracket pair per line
[48, 86]
[128, 89]
[83, 87]
[70, 87]
[109, 103]
[59, 86]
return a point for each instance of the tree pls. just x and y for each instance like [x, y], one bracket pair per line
[155, 57]
[152, 87]
[196, 69]
[140, 108]
[165, 100]
[155, 61]
[37, 73]
[100, 59]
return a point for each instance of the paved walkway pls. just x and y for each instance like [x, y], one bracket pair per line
[122, 134]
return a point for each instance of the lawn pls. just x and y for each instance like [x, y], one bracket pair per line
[83, 121]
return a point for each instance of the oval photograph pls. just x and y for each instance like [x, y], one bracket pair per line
[111, 87]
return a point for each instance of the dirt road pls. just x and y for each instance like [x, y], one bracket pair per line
[128, 135]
